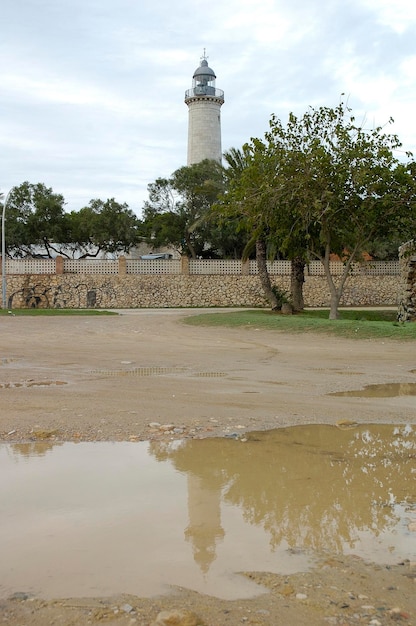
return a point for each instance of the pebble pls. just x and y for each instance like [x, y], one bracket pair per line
[301, 596]
[178, 618]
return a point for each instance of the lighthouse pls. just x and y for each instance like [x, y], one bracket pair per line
[204, 102]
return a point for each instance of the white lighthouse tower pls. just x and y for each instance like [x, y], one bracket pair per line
[204, 127]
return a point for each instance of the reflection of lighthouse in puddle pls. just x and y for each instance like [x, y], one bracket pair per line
[204, 529]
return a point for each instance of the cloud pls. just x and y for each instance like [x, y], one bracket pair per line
[92, 91]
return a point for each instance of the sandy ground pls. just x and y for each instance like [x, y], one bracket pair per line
[141, 374]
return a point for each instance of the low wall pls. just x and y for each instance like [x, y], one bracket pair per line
[144, 291]
[407, 288]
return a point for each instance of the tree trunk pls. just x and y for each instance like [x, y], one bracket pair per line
[297, 278]
[264, 274]
[335, 293]
[334, 303]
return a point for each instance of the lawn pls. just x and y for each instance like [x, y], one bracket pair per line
[54, 312]
[357, 324]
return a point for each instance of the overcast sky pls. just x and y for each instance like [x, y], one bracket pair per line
[92, 91]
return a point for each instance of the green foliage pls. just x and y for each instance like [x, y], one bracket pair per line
[323, 184]
[55, 312]
[282, 296]
[178, 213]
[104, 226]
[36, 218]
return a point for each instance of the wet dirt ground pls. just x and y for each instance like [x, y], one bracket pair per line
[145, 376]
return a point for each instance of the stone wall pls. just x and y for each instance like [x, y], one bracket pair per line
[407, 288]
[143, 291]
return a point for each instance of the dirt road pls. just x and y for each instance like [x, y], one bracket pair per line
[145, 375]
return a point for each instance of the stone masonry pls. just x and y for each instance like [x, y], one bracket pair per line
[145, 291]
[407, 292]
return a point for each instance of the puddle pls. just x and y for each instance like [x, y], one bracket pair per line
[387, 390]
[32, 383]
[96, 519]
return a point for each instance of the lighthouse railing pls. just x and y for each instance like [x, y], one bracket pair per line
[196, 92]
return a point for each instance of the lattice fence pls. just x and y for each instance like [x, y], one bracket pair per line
[30, 266]
[368, 268]
[154, 266]
[200, 266]
[214, 266]
[90, 266]
[275, 268]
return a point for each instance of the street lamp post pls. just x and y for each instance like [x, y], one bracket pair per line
[3, 253]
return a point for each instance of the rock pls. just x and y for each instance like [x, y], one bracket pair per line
[178, 618]
[263, 612]
[397, 614]
[287, 590]
[301, 596]
[127, 608]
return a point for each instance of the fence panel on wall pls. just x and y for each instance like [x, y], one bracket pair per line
[90, 266]
[275, 268]
[214, 266]
[379, 268]
[154, 266]
[368, 268]
[30, 266]
[196, 266]
[316, 268]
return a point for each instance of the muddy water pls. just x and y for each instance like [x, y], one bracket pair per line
[94, 519]
[386, 390]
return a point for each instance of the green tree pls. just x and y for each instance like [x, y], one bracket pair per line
[177, 212]
[253, 179]
[35, 217]
[245, 200]
[103, 226]
[323, 184]
[343, 185]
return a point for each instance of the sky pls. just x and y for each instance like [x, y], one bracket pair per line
[92, 91]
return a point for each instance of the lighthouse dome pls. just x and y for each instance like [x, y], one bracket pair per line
[204, 70]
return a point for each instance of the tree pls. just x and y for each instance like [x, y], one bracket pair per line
[104, 226]
[246, 200]
[38, 224]
[252, 194]
[343, 185]
[177, 212]
[323, 184]
[35, 217]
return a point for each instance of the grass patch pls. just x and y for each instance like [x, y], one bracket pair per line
[55, 312]
[361, 324]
